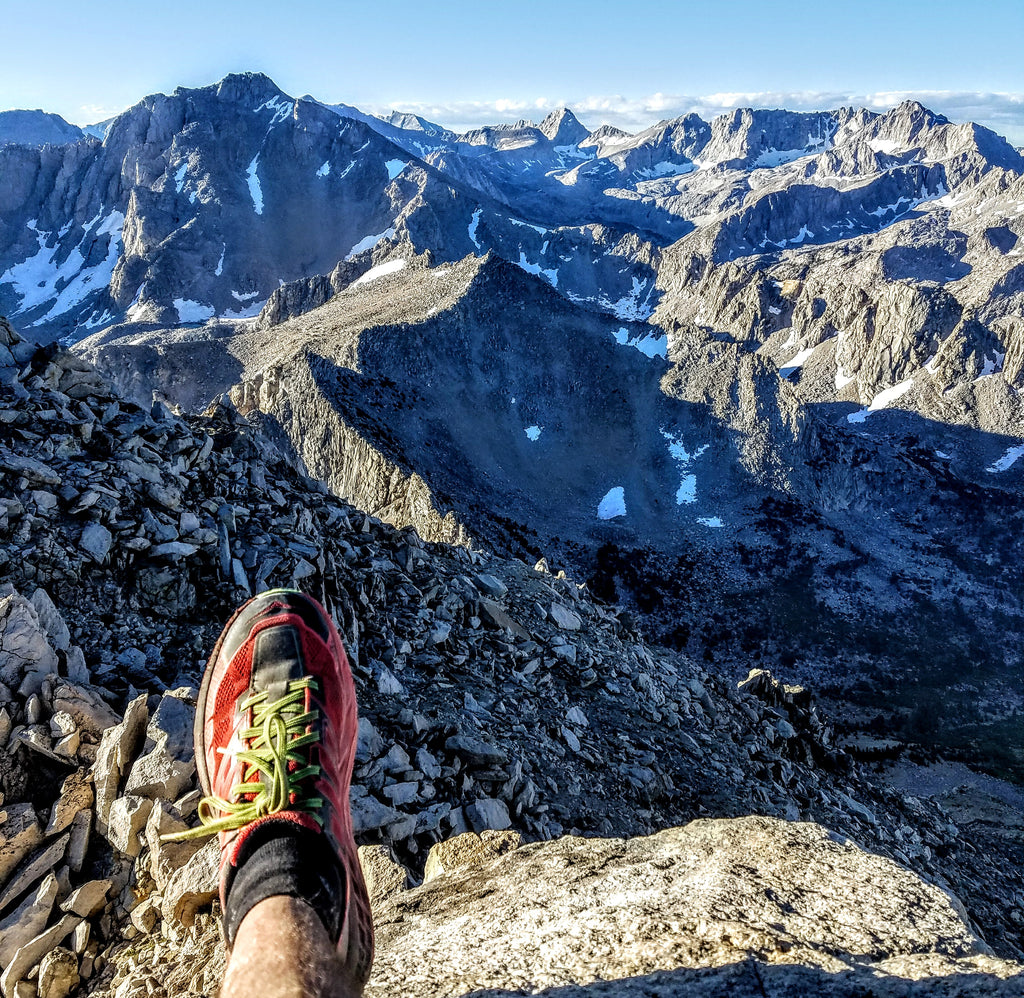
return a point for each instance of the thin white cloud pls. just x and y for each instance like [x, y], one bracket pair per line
[92, 113]
[1002, 112]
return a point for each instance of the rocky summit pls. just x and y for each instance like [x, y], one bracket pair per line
[684, 830]
[666, 489]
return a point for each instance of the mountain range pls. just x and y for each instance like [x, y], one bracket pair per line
[758, 378]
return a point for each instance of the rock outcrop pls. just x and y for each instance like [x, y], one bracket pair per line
[749, 907]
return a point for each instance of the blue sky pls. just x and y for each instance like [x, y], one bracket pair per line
[467, 63]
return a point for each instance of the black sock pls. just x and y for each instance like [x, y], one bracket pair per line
[283, 858]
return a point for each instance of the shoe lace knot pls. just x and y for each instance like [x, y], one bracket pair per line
[276, 771]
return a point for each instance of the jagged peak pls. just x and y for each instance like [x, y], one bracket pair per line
[610, 132]
[238, 86]
[917, 113]
[562, 127]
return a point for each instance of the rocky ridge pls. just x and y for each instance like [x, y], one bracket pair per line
[495, 696]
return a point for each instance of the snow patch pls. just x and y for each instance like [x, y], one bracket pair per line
[248, 296]
[281, 107]
[881, 400]
[220, 262]
[710, 521]
[794, 363]
[381, 270]
[394, 167]
[992, 365]
[473, 226]
[193, 311]
[551, 276]
[1007, 460]
[255, 191]
[613, 504]
[35, 280]
[368, 242]
[179, 177]
[842, 380]
[771, 158]
[137, 312]
[665, 169]
[886, 146]
[630, 306]
[539, 229]
[687, 491]
[648, 344]
[246, 312]
[534, 432]
[325, 169]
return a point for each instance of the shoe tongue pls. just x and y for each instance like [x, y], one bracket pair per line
[276, 660]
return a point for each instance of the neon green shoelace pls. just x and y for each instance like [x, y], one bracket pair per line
[278, 735]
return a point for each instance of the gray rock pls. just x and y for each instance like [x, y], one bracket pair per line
[167, 857]
[19, 835]
[500, 618]
[146, 914]
[476, 750]
[383, 874]
[88, 899]
[566, 652]
[440, 633]
[118, 748]
[25, 652]
[86, 705]
[740, 897]
[32, 869]
[565, 618]
[370, 743]
[96, 541]
[173, 550]
[401, 793]
[58, 973]
[427, 764]
[34, 471]
[168, 767]
[33, 951]
[51, 621]
[468, 849]
[488, 813]
[27, 920]
[78, 844]
[370, 815]
[192, 887]
[125, 823]
[396, 760]
[490, 585]
[76, 796]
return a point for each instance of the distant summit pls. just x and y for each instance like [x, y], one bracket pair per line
[37, 128]
[563, 128]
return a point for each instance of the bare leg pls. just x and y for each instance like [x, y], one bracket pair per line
[282, 951]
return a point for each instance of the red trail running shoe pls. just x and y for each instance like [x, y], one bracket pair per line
[275, 737]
